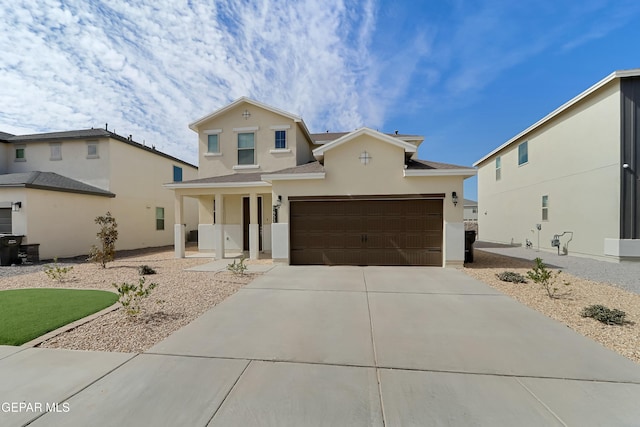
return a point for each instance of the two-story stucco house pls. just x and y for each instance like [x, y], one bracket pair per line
[576, 171]
[361, 198]
[53, 186]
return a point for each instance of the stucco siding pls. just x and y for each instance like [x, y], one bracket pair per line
[137, 179]
[73, 162]
[264, 120]
[575, 160]
[62, 223]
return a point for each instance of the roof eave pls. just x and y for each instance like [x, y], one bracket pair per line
[613, 76]
[176, 186]
[440, 172]
[292, 176]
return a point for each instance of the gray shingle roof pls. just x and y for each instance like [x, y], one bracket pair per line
[312, 167]
[426, 164]
[5, 137]
[88, 134]
[52, 182]
[234, 177]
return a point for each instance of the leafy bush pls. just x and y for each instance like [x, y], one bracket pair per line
[545, 278]
[145, 270]
[511, 276]
[57, 273]
[237, 268]
[131, 295]
[107, 235]
[604, 314]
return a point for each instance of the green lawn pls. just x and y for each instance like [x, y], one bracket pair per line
[26, 314]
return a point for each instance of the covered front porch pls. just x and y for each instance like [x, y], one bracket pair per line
[233, 218]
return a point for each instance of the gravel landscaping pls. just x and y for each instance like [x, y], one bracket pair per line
[181, 296]
[624, 340]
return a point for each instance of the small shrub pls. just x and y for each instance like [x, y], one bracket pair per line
[145, 270]
[237, 268]
[511, 276]
[604, 314]
[107, 235]
[545, 278]
[57, 273]
[131, 295]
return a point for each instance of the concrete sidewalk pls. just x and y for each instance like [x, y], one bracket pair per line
[356, 346]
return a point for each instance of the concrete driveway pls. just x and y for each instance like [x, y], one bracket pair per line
[333, 346]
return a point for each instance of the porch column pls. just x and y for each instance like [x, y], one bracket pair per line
[254, 228]
[179, 228]
[218, 226]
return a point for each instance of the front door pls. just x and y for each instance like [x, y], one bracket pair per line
[245, 223]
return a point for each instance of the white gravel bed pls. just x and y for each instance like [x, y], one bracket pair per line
[624, 340]
[181, 296]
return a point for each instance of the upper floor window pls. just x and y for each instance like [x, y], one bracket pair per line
[56, 151]
[92, 150]
[20, 154]
[523, 153]
[213, 145]
[545, 208]
[177, 174]
[498, 168]
[246, 148]
[281, 139]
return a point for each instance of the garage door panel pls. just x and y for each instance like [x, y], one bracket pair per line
[366, 232]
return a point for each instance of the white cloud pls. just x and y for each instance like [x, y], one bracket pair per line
[149, 68]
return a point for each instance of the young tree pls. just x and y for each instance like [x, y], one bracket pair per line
[107, 235]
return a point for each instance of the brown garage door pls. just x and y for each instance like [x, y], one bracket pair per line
[366, 232]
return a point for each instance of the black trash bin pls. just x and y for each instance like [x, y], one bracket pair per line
[469, 238]
[9, 247]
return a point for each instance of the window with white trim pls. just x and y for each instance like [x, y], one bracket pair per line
[545, 208]
[92, 150]
[246, 149]
[281, 139]
[159, 218]
[523, 153]
[498, 168]
[213, 145]
[21, 153]
[56, 151]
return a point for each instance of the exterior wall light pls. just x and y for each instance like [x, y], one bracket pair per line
[15, 206]
[454, 197]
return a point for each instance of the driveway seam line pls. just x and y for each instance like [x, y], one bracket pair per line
[85, 387]
[229, 392]
[396, 368]
[375, 354]
[541, 402]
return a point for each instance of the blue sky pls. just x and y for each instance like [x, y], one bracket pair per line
[467, 75]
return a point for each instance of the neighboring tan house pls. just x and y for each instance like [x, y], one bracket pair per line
[470, 210]
[576, 171]
[360, 198]
[53, 186]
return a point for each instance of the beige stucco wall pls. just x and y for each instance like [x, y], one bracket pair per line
[575, 160]
[6, 151]
[346, 175]
[74, 163]
[62, 223]
[137, 179]
[264, 141]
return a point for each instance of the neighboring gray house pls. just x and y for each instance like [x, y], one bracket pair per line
[575, 174]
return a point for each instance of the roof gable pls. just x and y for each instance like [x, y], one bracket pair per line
[408, 147]
[243, 100]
